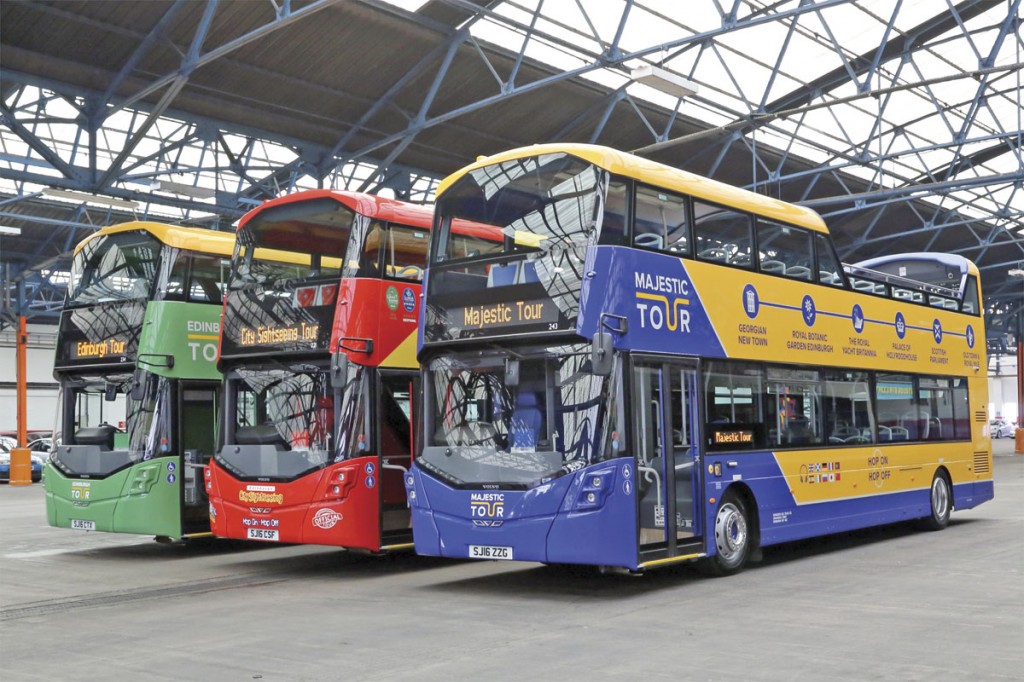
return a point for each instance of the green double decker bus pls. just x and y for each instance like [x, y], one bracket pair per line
[136, 361]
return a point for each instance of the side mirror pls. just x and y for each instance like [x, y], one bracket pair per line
[511, 372]
[138, 389]
[110, 392]
[601, 354]
[339, 369]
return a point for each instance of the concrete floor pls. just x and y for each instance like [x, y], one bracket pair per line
[881, 604]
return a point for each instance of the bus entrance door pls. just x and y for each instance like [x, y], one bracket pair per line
[667, 439]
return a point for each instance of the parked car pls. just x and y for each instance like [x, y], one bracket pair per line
[41, 444]
[5, 464]
[1000, 428]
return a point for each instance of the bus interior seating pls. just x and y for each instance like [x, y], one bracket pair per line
[826, 277]
[413, 272]
[968, 307]
[716, 254]
[649, 240]
[261, 434]
[740, 259]
[507, 274]
[776, 267]
[798, 432]
[798, 272]
[526, 421]
[101, 436]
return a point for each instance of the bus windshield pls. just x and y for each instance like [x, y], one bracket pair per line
[290, 409]
[116, 267]
[304, 240]
[517, 231]
[517, 418]
[539, 203]
[112, 421]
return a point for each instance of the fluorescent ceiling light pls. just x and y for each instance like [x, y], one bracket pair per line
[10, 230]
[182, 189]
[663, 81]
[90, 198]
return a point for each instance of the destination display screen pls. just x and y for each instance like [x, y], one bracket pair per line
[257, 321]
[462, 304]
[103, 334]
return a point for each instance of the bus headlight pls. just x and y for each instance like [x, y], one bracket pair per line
[597, 485]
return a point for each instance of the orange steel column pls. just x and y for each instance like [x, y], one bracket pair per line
[21, 457]
[22, 383]
[1019, 449]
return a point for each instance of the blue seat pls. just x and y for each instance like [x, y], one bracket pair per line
[526, 421]
[502, 275]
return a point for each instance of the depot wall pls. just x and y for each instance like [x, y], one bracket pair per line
[42, 389]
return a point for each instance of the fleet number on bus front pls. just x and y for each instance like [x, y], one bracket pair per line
[490, 552]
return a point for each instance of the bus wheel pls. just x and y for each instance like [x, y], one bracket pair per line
[942, 503]
[732, 537]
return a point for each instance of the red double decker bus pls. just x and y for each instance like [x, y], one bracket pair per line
[318, 350]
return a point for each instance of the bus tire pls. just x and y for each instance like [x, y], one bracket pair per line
[941, 496]
[733, 537]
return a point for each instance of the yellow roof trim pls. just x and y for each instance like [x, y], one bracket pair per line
[190, 238]
[659, 175]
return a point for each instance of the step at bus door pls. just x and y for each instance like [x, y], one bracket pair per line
[666, 439]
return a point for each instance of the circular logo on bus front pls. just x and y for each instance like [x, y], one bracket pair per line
[937, 330]
[970, 336]
[901, 325]
[391, 297]
[408, 300]
[326, 518]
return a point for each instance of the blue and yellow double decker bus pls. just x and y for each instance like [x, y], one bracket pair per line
[639, 366]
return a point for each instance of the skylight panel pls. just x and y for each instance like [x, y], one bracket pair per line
[854, 30]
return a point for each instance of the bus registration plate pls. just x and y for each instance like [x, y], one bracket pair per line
[490, 552]
[82, 524]
[262, 534]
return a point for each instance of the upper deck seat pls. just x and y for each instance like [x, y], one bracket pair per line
[502, 275]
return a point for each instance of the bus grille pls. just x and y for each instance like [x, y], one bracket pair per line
[982, 463]
[981, 416]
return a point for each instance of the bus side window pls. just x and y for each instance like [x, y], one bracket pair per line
[829, 269]
[850, 419]
[784, 250]
[722, 235]
[406, 252]
[613, 223]
[733, 394]
[659, 221]
[898, 418]
[794, 407]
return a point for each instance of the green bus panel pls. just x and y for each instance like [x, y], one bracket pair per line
[144, 498]
[186, 331]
